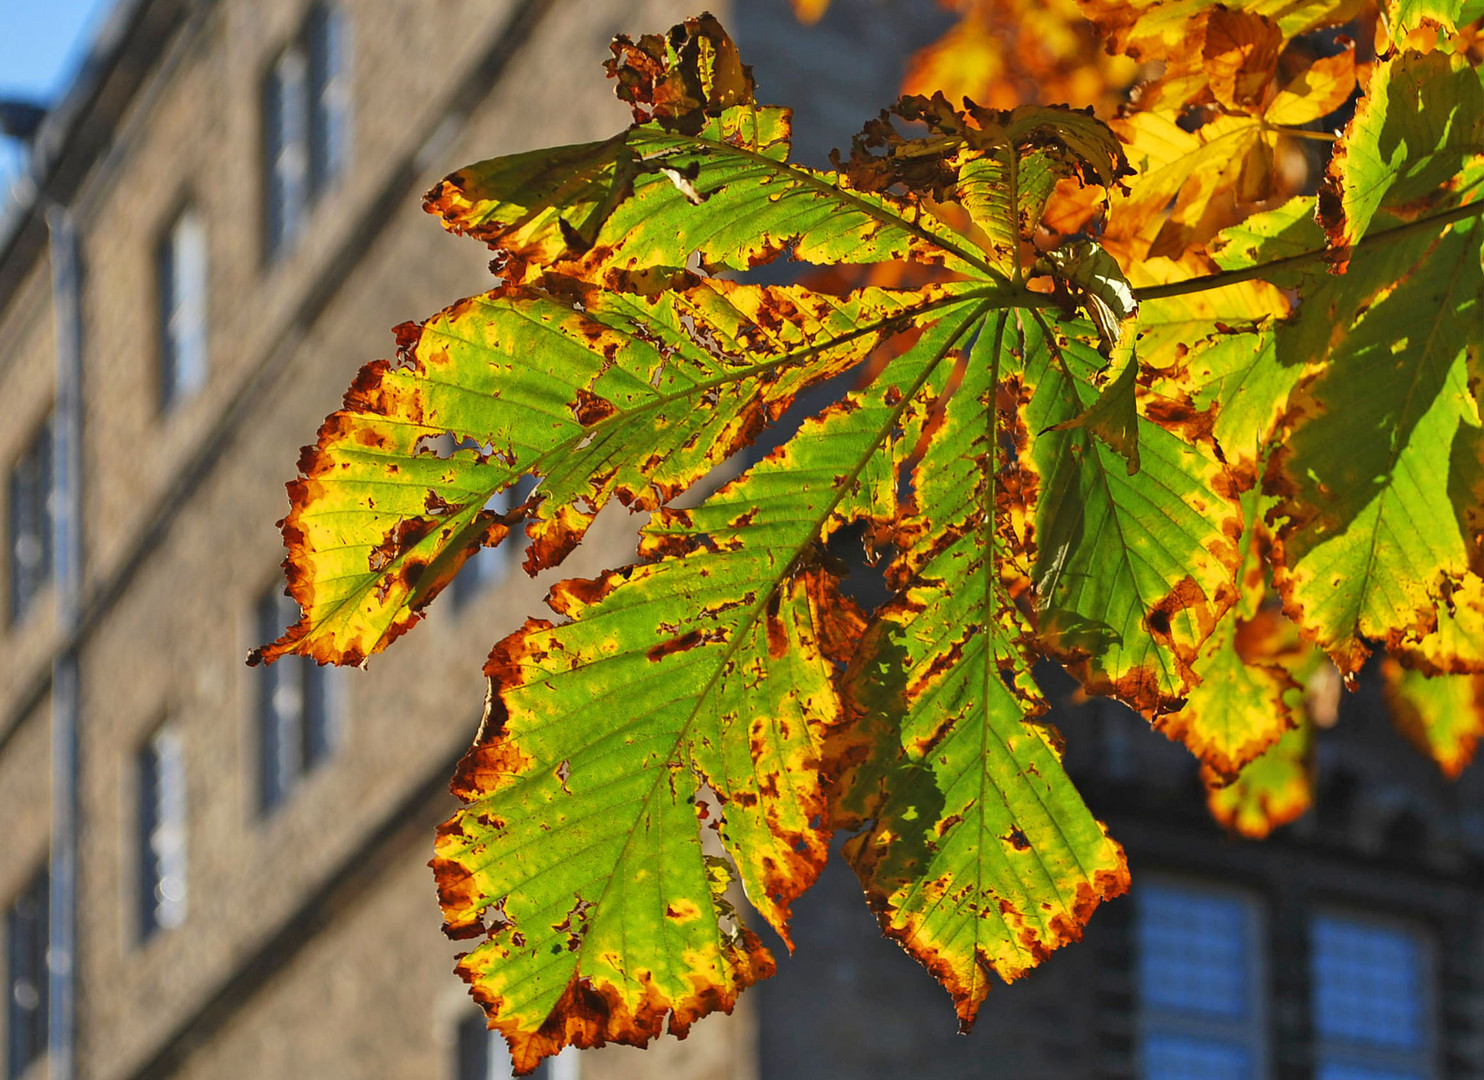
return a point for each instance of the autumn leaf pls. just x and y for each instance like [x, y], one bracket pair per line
[1240, 55]
[1162, 29]
[1314, 92]
[981, 857]
[1416, 142]
[718, 655]
[1442, 716]
[628, 395]
[1241, 702]
[608, 369]
[1000, 52]
[1111, 388]
[1124, 596]
[1370, 536]
[1271, 791]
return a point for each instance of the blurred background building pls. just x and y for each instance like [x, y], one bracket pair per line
[214, 871]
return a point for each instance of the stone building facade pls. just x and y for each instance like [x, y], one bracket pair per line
[241, 180]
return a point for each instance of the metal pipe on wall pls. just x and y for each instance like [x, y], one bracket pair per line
[67, 554]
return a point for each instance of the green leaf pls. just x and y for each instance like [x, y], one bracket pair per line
[1131, 571]
[1379, 442]
[981, 857]
[714, 666]
[1369, 537]
[1416, 141]
[1404, 16]
[616, 210]
[1114, 415]
[601, 394]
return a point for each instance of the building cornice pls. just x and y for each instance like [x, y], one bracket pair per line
[79, 129]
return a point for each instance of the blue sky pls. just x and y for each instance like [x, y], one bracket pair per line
[42, 45]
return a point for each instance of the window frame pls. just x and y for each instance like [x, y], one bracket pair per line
[173, 390]
[24, 587]
[156, 913]
[307, 115]
[19, 1058]
[1254, 1033]
[470, 1031]
[315, 732]
[1376, 1057]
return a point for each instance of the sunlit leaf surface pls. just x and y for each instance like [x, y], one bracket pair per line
[1127, 395]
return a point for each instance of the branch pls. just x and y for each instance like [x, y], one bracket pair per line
[1290, 262]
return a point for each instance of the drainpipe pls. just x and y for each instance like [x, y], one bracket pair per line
[67, 578]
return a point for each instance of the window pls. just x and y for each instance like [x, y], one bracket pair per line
[1372, 1008]
[182, 269]
[328, 43]
[306, 123]
[482, 1056]
[298, 709]
[162, 832]
[285, 109]
[490, 565]
[30, 522]
[25, 965]
[1199, 984]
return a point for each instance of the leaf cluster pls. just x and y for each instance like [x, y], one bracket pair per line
[1124, 393]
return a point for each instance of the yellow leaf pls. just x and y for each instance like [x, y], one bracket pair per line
[1315, 92]
[1456, 645]
[1004, 53]
[810, 11]
[1201, 172]
[1273, 790]
[1240, 55]
[1443, 716]
[1161, 29]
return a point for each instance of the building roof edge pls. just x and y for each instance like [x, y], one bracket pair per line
[63, 130]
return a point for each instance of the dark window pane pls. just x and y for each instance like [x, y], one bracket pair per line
[322, 710]
[490, 565]
[1365, 1072]
[1175, 1057]
[473, 1049]
[1194, 952]
[286, 164]
[299, 708]
[481, 1054]
[280, 706]
[183, 280]
[29, 496]
[25, 964]
[149, 814]
[1368, 983]
[162, 832]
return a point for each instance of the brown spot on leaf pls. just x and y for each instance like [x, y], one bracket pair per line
[683, 643]
[590, 409]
